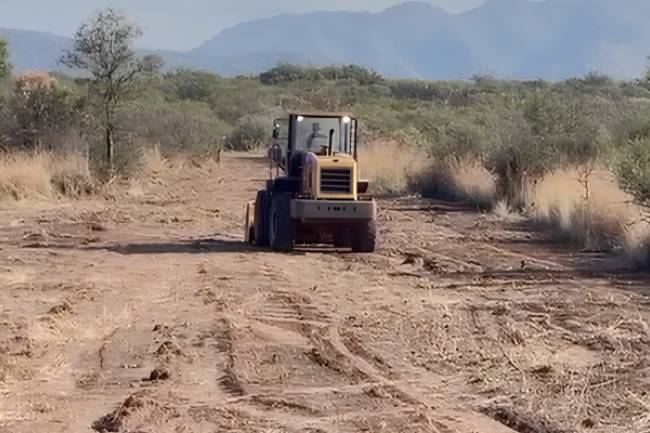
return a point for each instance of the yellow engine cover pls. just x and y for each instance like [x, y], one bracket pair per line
[329, 177]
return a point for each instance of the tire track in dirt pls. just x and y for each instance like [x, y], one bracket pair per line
[229, 382]
[345, 357]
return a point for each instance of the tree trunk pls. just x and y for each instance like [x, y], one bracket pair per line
[110, 150]
[110, 145]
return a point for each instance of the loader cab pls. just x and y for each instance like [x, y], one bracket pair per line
[319, 134]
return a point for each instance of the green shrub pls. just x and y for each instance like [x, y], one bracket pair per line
[5, 66]
[181, 127]
[40, 109]
[286, 73]
[190, 85]
[251, 132]
[240, 97]
[634, 169]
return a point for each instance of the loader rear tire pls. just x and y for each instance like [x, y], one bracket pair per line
[341, 239]
[282, 229]
[364, 237]
[262, 219]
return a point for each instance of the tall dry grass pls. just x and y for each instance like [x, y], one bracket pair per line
[465, 182]
[388, 165]
[153, 161]
[42, 175]
[394, 168]
[587, 205]
[24, 176]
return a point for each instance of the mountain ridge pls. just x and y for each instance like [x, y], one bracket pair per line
[521, 39]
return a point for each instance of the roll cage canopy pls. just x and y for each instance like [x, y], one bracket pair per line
[316, 132]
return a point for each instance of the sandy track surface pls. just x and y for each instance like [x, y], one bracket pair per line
[145, 312]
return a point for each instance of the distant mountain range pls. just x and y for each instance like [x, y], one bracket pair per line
[34, 50]
[523, 39]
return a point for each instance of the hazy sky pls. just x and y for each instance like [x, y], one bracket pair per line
[179, 24]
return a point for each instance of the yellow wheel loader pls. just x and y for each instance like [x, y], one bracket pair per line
[314, 194]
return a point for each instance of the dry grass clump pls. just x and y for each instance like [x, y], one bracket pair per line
[588, 206]
[70, 175]
[394, 168]
[502, 211]
[463, 182]
[42, 175]
[636, 242]
[153, 161]
[388, 165]
[475, 183]
[24, 176]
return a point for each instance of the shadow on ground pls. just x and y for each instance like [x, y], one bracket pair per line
[202, 246]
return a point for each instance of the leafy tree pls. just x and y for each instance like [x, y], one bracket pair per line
[103, 47]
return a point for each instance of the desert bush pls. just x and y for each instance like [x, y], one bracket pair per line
[339, 95]
[39, 109]
[633, 122]
[250, 132]
[634, 169]
[460, 134]
[190, 85]
[240, 97]
[287, 73]
[383, 118]
[445, 92]
[184, 127]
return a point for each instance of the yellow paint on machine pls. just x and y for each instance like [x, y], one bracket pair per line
[312, 177]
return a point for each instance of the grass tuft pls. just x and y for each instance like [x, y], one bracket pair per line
[388, 165]
[41, 175]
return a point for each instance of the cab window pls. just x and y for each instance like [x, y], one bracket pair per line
[313, 134]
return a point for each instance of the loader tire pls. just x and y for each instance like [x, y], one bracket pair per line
[364, 237]
[262, 219]
[341, 239]
[282, 231]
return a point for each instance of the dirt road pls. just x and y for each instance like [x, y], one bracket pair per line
[145, 312]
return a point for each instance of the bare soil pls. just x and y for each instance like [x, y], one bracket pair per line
[145, 312]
